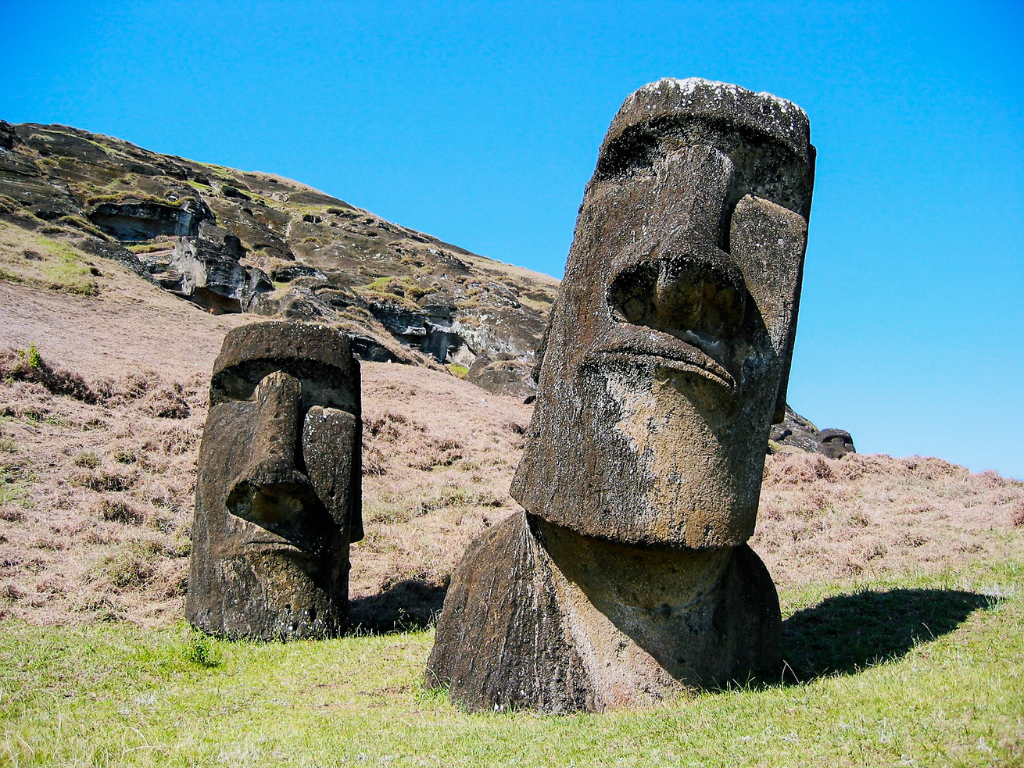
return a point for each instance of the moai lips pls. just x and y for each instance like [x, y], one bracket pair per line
[667, 358]
[278, 494]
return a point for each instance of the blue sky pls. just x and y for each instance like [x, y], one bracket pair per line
[480, 123]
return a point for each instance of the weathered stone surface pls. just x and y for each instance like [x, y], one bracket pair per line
[137, 221]
[206, 269]
[669, 346]
[797, 434]
[538, 616]
[508, 376]
[835, 443]
[513, 651]
[666, 359]
[278, 496]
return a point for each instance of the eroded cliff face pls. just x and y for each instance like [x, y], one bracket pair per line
[235, 241]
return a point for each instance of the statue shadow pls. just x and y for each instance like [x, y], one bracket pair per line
[409, 605]
[845, 634]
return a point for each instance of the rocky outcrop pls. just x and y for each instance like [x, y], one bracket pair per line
[136, 221]
[796, 434]
[234, 241]
[207, 270]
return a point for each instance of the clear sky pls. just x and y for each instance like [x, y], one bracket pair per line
[480, 123]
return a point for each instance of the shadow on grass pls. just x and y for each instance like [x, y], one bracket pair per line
[846, 633]
[408, 605]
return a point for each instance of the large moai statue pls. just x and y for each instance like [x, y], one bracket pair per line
[628, 576]
[278, 498]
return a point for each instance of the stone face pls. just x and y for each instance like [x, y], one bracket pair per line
[835, 443]
[627, 578]
[278, 496]
[669, 346]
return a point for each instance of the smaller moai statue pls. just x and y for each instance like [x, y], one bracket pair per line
[627, 577]
[278, 497]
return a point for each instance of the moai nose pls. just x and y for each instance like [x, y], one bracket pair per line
[685, 290]
[271, 491]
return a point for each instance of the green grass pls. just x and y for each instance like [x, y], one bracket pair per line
[460, 371]
[114, 694]
[15, 482]
[26, 257]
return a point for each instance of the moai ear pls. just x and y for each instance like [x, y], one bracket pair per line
[330, 447]
[768, 243]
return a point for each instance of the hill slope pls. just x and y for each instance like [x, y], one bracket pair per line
[120, 272]
[233, 241]
[97, 474]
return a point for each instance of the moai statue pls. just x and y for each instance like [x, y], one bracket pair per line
[628, 578]
[278, 498]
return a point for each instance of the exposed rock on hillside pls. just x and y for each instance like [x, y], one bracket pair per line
[796, 434]
[234, 241]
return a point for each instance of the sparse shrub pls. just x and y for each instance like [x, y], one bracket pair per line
[126, 456]
[7, 444]
[201, 650]
[822, 469]
[28, 365]
[120, 511]
[437, 453]
[86, 459]
[104, 480]
[390, 426]
[31, 357]
[128, 569]
[169, 403]
[11, 592]
[374, 462]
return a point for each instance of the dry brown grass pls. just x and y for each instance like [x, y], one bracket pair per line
[96, 497]
[865, 516]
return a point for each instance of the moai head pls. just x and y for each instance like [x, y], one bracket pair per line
[669, 346]
[278, 496]
[835, 443]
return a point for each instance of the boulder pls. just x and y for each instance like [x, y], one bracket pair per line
[797, 434]
[508, 376]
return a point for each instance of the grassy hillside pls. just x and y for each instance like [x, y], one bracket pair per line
[938, 683]
[901, 580]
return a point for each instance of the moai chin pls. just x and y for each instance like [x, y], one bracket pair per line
[628, 577]
[278, 497]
